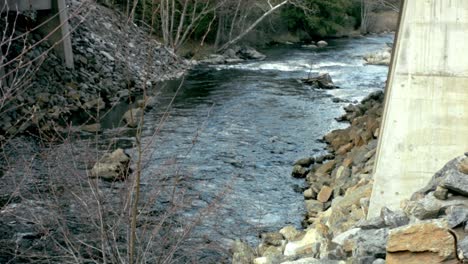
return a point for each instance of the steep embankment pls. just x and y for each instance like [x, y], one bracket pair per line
[114, 60]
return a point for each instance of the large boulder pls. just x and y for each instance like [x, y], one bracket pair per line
[249, 53]
[322, 44]
[379, 58]
[112, 166]
[424, 242]
[323, 81]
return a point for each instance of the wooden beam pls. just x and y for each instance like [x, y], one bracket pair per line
[23, 5]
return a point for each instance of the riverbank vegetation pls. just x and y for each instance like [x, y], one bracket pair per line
[222, 23]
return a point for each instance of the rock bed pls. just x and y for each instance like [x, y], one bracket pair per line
[113, 61]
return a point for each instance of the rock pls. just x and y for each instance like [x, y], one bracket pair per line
[113, 166]
[463, 166]
[214, 59]
[290, 233]
[272, 239]
[367, 243]
[322, 43]
[147, 103]
[92, 128]
[324, 194]
[463, 248]
[379, 58]
[325, 169]
[133, 117]
[456, 215]
[393, 219]
[314, 261]
[307, 245]
[309, 194]
[346, 210]
[242, 253]
[250, 53]
[456, 182]
[96, 104]
[441, 193]
[305, 162]
[341, 238]
[313, 207]
[323, 81]
[423, 242]
[373, 223]
[430, 207]
[299, 171]
[379, 261]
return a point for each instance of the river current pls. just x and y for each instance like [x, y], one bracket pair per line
[233, 132]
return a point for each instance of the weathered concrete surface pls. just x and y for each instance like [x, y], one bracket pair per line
[425, 121]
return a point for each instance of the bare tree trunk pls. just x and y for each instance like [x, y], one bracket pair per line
[253, 25]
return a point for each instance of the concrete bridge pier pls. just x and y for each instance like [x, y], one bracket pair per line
[425, 121]
[47, 9]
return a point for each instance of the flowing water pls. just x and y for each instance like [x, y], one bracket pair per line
[234, 131]
[242, 126]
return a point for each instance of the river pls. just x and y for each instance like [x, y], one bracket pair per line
[227, 136]
[237, 129]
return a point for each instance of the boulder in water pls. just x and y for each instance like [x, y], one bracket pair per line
[379, 58]
[323, 81]
[322, 44]
[133, 117]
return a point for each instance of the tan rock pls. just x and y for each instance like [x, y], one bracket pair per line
[463, 166]
[424, 242]
[93, 128]
[290, 233]
[325, 169]
[347, 162]
[324, 194]
[344, 149]
[309, 194]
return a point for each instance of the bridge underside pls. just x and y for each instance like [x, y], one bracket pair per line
[425, 121]
[58, 23]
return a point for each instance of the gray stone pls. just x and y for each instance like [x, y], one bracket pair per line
[456, 215]
[273, 239]
[393, 219]
[430, 207]
[370, 243]
[305, 162]
[314, 261]
[456, 182]
[373, 223]
[463, 247]
[379, 261]
[299, 171]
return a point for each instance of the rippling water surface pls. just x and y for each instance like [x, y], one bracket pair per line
[242, 126]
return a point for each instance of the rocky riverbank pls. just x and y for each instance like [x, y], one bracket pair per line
[429, 228]
[114, 61]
